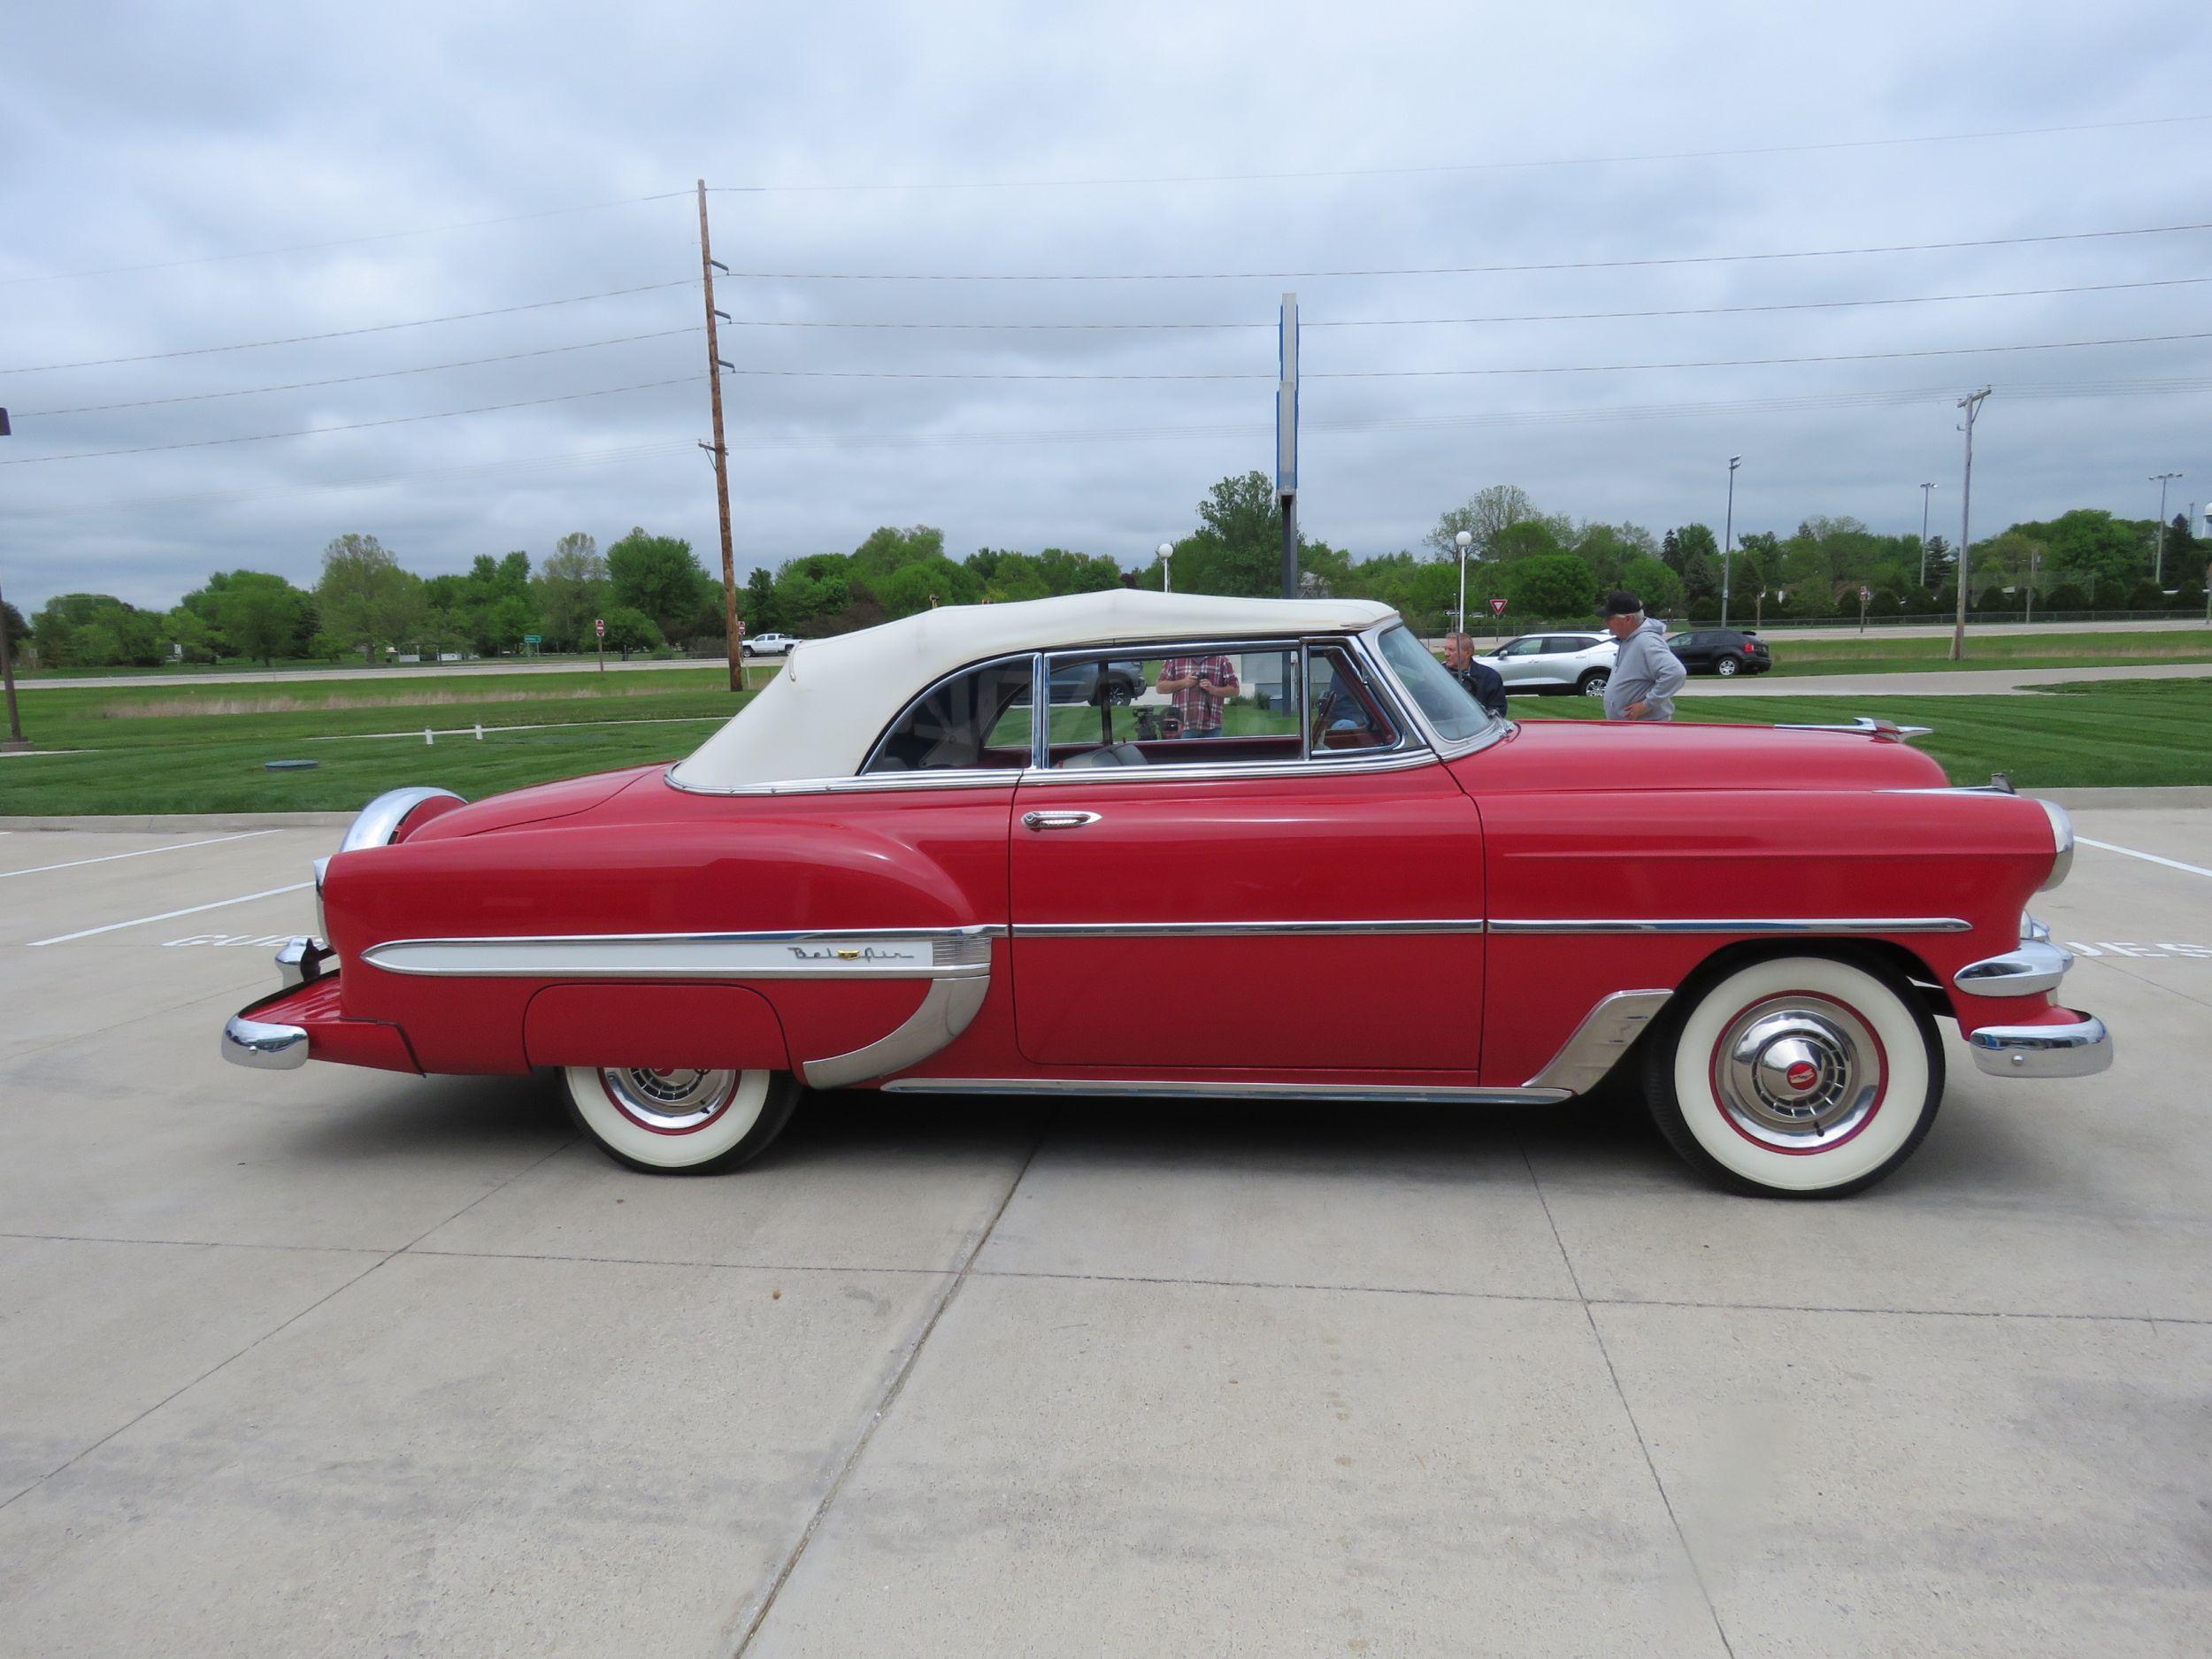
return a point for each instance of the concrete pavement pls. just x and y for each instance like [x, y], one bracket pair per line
[333, 1361]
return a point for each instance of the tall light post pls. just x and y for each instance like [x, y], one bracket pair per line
[1166, 550]
[15, 741]
[1971, 403]
[2158, 571]
[1463, 542]
[1924, 489]
[1728, 546]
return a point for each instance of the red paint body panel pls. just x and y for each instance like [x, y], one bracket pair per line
[660, 1025]
[316, 1008]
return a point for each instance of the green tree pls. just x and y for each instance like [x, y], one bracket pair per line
[571, 589]
[256, 614]
[189, 635]
[13, 628]
[365, 598]
[2090, 546]
[1551, 585]
[1650, 580]
[921, 583]
[630, 629]
[1488, 513]
[660, 576]
[759, 605]
[95, 631]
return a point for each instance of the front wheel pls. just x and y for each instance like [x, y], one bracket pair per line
[1798, 1077]
[680, 1121]
[1727, 667]
[1593, 683]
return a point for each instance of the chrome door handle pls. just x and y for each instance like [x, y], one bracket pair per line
[1058, 820]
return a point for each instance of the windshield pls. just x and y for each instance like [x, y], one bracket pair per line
[1447, 705]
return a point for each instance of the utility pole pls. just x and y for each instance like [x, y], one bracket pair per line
[15, 740]
[1728, 548]
[1971, 403]
[708, 265]
[2158, 572]
[1924, 489]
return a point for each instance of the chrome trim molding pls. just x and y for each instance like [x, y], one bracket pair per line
[1233, 930]
[263, 1047]
[944, 1014]
[378, 821]
[2081, 1049]
[1203, 771]
[1604, 1035]
[1866, 724]
[2062, 843]
[1738, 924]
[967, 777]
[303, 959]
[1152, 1088]
[2036, 966]
[877, 953]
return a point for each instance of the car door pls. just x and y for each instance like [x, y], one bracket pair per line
[1694, 649]
[1319, 912]
[1520, 661]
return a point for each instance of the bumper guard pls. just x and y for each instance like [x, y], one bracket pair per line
[2081, 1049]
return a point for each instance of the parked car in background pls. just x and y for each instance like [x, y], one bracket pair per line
[1556, 663]
[769, 644]
[885, 872]
[1722, 651]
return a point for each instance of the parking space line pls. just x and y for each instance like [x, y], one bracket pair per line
[139, 921]
[174, 847]
[2130, 852]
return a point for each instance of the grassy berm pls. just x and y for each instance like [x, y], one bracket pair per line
[203, 749]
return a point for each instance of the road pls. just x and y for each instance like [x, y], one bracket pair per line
[341, 1362]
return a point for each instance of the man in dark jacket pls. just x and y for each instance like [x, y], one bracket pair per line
[1481, 680]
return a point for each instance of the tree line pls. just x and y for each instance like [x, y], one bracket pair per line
[652, 592]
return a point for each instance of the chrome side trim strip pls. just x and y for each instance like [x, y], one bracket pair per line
[879, 953]
[1205, 771]
[2062, 843]
[2035, 966]
[378, 821]
[263, 1047]
[1232, 930]
[1866, 724]
[944, 1014]
[1150, 1088]
[1604, 1035]
[1738, 924]
[2081, 1049]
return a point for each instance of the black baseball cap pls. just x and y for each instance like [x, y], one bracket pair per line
[1620, 603]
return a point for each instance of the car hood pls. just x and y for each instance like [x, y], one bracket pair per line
[1555, 755]
[539, 804]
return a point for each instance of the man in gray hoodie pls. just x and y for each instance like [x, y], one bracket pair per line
[1646, 673]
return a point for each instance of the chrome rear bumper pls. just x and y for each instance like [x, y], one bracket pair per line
[2080, 1049]
[266, 1048]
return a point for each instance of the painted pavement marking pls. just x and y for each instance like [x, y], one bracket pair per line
[190, 910]
[144, 852]
[2130, 852]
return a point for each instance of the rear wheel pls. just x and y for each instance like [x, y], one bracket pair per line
[1803, 1077]
[1593, 683]
[1727, 667]
[679, 1120]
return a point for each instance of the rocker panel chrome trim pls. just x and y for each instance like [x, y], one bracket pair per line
[904, 952]
[944, 1014]
[1151, 1088]
[1739, 924]
[1604, 1036]
[1232, 930]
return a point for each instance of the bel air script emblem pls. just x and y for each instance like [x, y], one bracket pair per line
[845, 953]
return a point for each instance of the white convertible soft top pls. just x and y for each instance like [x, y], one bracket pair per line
[834, 696]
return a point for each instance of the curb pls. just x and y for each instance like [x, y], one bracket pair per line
[2170, 795]
[144, 823]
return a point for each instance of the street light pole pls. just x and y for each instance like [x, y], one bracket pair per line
[1924, 489]
[1463, 542]
[1729, 547]
[2158, 571]
[1971, 403]
[1166, 550]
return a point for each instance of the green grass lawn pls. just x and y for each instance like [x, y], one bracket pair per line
[201, 748]
[1877, 655]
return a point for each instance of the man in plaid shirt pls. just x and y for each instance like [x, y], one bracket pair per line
[1199, 686]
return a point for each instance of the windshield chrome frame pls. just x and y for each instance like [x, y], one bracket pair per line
[1446, 747]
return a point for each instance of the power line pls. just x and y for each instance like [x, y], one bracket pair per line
[1515, 316]
[340, 242]
[350, 379]
[1462, 166]
[357, 426]
[343, 334]
[1556, 368]
[1454, 270]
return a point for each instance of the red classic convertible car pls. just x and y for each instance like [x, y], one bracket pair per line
[1335, 876]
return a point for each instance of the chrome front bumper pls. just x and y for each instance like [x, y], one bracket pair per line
[2080, 1049]
[266, 1048]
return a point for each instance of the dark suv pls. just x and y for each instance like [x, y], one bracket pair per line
[1721, 651]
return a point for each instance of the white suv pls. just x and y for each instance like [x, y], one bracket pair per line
[1562, 663]
[768, 644]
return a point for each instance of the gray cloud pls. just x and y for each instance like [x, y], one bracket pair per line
[143, 135]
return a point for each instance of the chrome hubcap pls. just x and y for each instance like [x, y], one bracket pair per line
[1798, 1073]
[671, 1102]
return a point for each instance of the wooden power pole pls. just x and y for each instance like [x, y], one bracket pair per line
[707, 267]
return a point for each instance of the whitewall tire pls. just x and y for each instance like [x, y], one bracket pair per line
[680, 1121]
[1801, 1076]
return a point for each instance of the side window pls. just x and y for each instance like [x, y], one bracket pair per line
[1346, 713]
[1523, 648]
[1164, 708]
[1560, 646]
[979, 718]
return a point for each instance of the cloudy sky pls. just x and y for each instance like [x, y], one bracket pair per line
[177, 177]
